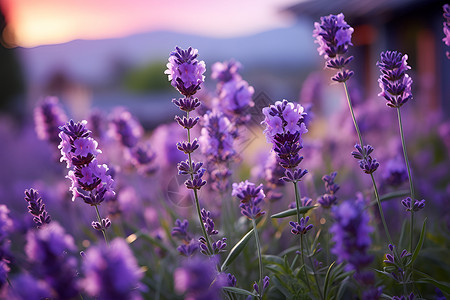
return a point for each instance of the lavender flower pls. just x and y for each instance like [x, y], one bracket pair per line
[37, 208]
[197, 279]
[125, 128]
[180, 230]
[413, 206]
[395, 173]
[217, 137]
[266, 281]
[351, 235]
[366, 162]
[395, 84]
[334, 35]
[446, 27]
[231, 280]
[35, 289]
[188, 249]
[46, 249]
[329, 198]
[208, 222]
[226, 71]
[102, 225]
[185, 71]
[284, 129]
[235, 98]
[250, 197]
[111, 272]
[301, 227]
[90, 180]
[402, 297]
[5, 230]
[48, 116]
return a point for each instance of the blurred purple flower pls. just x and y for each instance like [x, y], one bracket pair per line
[226, 71]
[334, 35]
[198, 279]
[48, 116]
[236, 96]
[180, 230]
[395, 84]
[329, 198]
[26, 287]
[125, 128]
[111, 272]
[216, 140]
[446, 27]
[6, 225]
[250, 197]
[46, 249]
[185, 71]
[351, 235]
[395, 173]
[36, 207]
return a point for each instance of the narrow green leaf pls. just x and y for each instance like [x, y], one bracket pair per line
[237, 249]
[342, 288]
[273, 259]
[402, 234]
[393, 195]
[292, 212]
[327, 280]
[443, 286]
[419, 245]
[239, 291]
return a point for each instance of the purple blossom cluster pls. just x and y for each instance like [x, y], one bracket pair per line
[395, 84]
[413, 206]
[90, 180]
[111, 272]
[189, 245]
[446, 27]
[333, 35]
[366, 162]
[48, 116]
[301, 227]
[395, 265]
[6, 226]
[351, 235]
[197, 279]
[250, 197]
[46, 250]
[284, 130]
[37, 208]
[185, 72]
[395, 173]
[329, 198]
[234, 93]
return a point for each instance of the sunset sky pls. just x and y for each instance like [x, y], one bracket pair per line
[38, 22]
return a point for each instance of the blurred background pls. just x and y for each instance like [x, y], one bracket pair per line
[102, 54]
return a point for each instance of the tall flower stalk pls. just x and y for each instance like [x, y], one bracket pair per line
[251, 197]
[185, 73]
[395, 87]
[333, 35]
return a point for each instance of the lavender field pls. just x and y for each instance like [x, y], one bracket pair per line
[340, 192]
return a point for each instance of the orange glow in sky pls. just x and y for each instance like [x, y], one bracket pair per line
[31, 23]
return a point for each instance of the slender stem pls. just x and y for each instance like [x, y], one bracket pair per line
[303, 261]
[197, 204]
[314, 271]
[297, 202]
[411, 185]
[258, 246]
[377, 196]
[100, 221]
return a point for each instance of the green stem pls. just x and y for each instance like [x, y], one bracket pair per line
[197, 204]
[100, 221]
[411, 185]
[258, 247]
[297, 202]
[314, 271]
[377, 196]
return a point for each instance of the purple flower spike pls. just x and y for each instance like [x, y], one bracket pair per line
[37, 208]
[329, 198]
[208, 222]
[180, 230]
[395, 84]
[446, 27]
[125, 128]
[103, 225]
[187, 104]
[251, 198]
[226, 71]
[351, 235]
[410, 206]
[185, 72]
[188, 249]
[333, 35]
[231, 280]
[48, 116]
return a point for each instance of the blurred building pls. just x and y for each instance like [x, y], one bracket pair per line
[413, 27]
